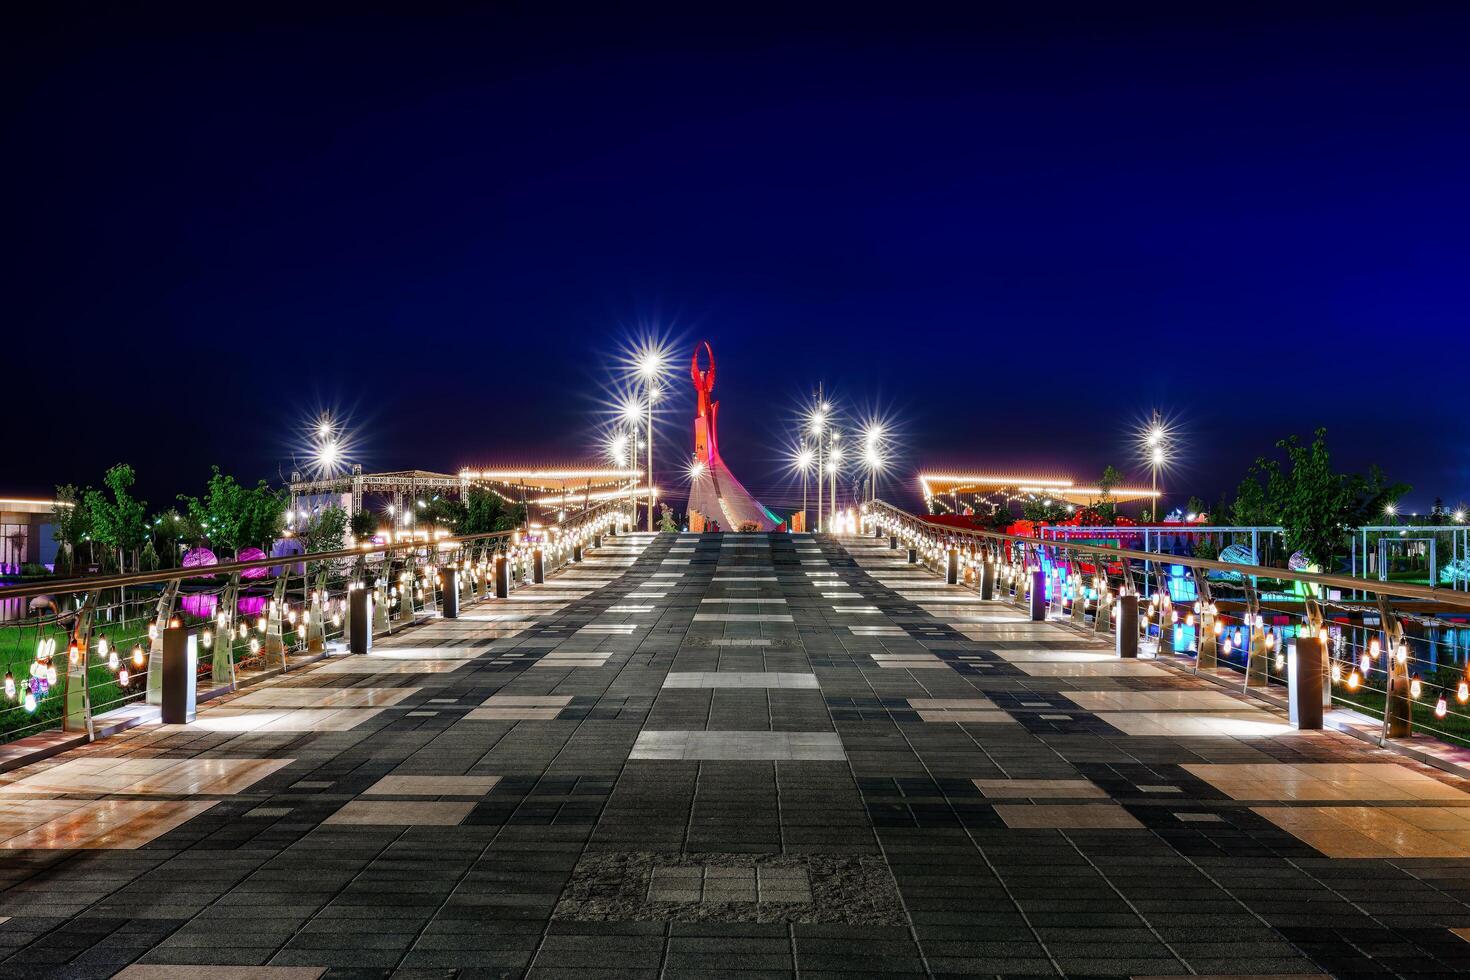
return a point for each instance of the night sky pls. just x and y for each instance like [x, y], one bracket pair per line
[1014, 234]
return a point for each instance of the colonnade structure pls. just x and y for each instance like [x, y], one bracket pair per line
[1357, 652]
[101, 643]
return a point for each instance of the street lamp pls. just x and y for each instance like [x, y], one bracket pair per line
[651, 363]
[804, 461]
[817, 423]
[834, 461]
[1155, 439]
[873, 436]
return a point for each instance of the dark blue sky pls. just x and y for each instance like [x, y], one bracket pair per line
[1018, 232]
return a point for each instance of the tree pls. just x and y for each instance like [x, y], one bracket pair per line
[167, 529]
[364, 524]
[1195, 506]
[1249, 508]
[486, 511]
[1043, 510]
[666, 520]
[441, 512]
[234, 517]
[1106, 507]
[1316, 506]
[118, 523]
[71, 522]
[325, 530]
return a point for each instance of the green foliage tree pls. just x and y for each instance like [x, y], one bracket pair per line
[325, 530]
[119, 523]
[1195, 506]
[71, 522]
[441, 512]
[232, 516]
[1040, 510]
[1249, 508]
[364, 524]
[487, 511]
[666, 520]
[1105, 506]
[167, 530]
[1317, 506]
[149, 560]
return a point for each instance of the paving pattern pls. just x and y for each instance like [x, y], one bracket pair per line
[733, 756]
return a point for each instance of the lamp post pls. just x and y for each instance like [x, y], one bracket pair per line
[873, 456]
[817, 422]
[650, 363]
[804, 464]
[834, 457]
[1156, 442]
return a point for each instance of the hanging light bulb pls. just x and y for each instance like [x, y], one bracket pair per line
[1440, 707]
[122, 676]
[207, 638]
[1353, 681]
[30, 702]
[1415, 688]
[1402, 653]
[1280, 660]
[254, 645]
[74, 654]
[10, 685]
[1229, 646]
[137, 655]
[112, 660]
[1219, 627]
[260, 624]
[51, 673]
[1374, 648]
[1336, 672]
[1367, 663]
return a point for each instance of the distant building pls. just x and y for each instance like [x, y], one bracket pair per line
[25, 534]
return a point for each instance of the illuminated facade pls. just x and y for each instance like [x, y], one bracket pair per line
[984, 493]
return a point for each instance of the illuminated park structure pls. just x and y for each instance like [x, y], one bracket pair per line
[717, 501]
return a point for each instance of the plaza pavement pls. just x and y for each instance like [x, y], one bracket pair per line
[739, 756]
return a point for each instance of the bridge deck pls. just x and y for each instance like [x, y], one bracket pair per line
[733, 755]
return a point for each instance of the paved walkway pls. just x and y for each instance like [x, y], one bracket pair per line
[733, 755]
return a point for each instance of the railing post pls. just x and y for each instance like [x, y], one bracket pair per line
[1257, 669]
[180, 671]
[360, 616]
[893, 542]
[1398, 718]
[381, 622]
[1204, 628]
[1038, 596]
[162, 614]
[538, 567]
[77, 699]
[1079, 599]
[450, 577]
[987, 578]
[403, 608]
[952, 567]
[1126, 634]
[913, 555]
[315, 626]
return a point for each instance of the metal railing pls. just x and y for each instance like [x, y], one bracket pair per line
[85, 646]
[1397, 652]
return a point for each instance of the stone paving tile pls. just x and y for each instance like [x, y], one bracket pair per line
[724, 755]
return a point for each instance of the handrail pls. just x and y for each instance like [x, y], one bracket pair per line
[99, 582]
[1405, 590]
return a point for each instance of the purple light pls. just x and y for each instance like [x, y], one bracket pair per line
[252, 554]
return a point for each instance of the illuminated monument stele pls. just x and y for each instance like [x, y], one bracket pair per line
[714, 493]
